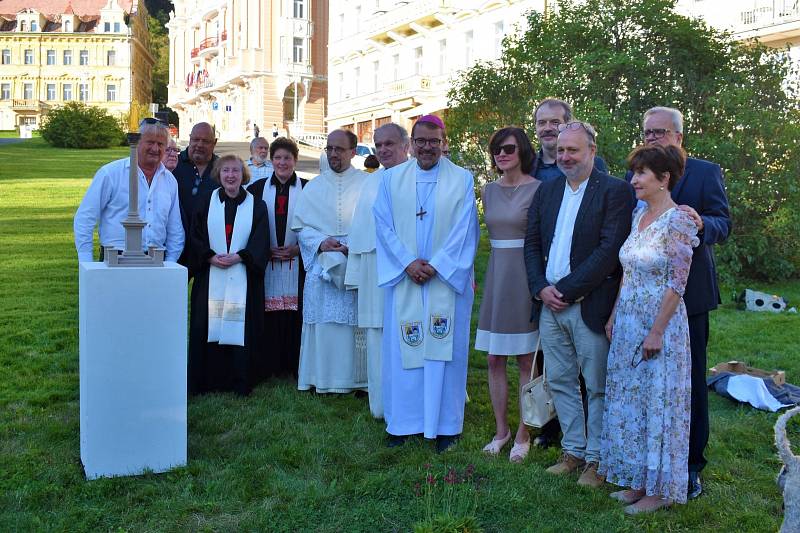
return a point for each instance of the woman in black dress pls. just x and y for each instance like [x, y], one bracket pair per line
[283, 296]
[229, 252]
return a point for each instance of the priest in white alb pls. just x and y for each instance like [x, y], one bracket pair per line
[329, 359]
[427, 234]
[391, 145]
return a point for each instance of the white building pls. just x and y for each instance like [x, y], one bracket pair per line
[242, 63]
[394, 60]
[775, 23]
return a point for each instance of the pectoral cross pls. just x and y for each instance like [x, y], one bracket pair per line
[421, 213]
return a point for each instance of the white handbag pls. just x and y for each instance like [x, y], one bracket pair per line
[536, 401]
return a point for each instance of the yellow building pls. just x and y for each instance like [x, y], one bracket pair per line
[55, 51]
[244, 63]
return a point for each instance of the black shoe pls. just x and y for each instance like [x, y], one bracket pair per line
[444, 442]
[695, 485]
[396, 440]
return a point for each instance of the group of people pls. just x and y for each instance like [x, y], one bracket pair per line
[364, 282]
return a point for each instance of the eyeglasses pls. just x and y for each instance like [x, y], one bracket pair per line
[173, 151]
[656, 133]
[508, 149]
[338, 150]
[151, 120]
[419, 142]
[576, 125]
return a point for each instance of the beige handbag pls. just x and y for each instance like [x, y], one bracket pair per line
[536, 401]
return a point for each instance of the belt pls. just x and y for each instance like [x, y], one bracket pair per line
[507, 243]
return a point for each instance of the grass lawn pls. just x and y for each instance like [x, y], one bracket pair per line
[282, 460]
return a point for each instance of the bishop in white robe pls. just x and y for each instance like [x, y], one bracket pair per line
[329, 359]
[424, 371]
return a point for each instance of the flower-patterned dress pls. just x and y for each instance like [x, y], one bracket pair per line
[645, 439]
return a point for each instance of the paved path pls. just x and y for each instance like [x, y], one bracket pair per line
[307, 164]
[13, 140]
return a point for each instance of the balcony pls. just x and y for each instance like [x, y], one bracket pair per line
[408, 87]
[393, 25]
[195, 54]
[223, 36]
[209, 46]
[774, 22]
[28, 105]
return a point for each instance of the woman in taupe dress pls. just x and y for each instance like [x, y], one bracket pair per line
[504, 327]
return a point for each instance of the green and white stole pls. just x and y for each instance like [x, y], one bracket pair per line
[227, 287]
[425, 333]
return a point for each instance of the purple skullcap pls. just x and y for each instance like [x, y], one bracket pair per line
[431, 119]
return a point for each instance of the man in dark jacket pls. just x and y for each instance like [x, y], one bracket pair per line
[193, 174]
[576, 226]
[701, 193]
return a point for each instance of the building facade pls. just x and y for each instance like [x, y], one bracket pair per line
[775, 23]
[53, 52]
[244, 63]
[394, 61]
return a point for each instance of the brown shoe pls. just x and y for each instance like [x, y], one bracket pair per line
[590, 478]
[566, 464]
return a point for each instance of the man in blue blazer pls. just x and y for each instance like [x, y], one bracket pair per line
[701, 193]
[576, 226]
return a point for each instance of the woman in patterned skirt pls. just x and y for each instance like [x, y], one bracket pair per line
[504, 327]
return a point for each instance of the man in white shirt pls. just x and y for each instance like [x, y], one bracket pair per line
[576, 226]
[106, 201]
[391, 143]
[259, 164]
[329, 360]
[426, 237]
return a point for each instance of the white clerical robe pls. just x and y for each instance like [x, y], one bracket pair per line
[329, 360]
[362, 276]
[430, 399]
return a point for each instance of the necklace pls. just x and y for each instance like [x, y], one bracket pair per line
[421, 213]
[517, 187]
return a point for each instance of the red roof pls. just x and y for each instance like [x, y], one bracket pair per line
[81, 8]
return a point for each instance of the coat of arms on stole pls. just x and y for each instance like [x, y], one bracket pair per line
[440, 326]
[412, 333]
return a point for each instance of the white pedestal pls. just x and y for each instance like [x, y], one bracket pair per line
[132, 368]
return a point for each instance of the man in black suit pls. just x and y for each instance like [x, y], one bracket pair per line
[576, 226]
[701, 193]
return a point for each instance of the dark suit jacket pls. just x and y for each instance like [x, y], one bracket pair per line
[702, 189]
[602, 225]
[185, 173]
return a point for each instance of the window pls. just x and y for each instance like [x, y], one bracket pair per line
[27, 91]
[341, 25]
[6, 57]
[83, 57]
[356, 76]
[51, 57]
[499, 33]
[418, 61]
[395, 67]
[299, 9]
[297, 50]
[376, 67]
[34, 26]
[340, 79]
[111, 93]
[442, 56]
[5, 91]
[83, 92]
[358, 19]
[107, 27]
[67, 25]
[51, 91]
[111, 58]
[66, 92]
[468, 38]
[23, 26]
[67, 57]
[116, 27]
[29, 57]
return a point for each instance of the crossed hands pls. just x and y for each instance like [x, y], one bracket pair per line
[332, 245]
[552, 299]
[420, 271]
[224, 260]
[285, 253]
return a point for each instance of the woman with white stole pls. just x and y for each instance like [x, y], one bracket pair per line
[283, 281]
[230, 249]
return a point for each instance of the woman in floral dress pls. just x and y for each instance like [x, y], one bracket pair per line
[645, 439]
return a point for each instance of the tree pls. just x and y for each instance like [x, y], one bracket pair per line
[613, 60]
[76, 125]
